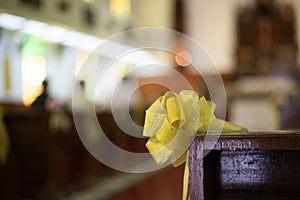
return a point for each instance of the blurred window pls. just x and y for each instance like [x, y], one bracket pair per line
[34, 68]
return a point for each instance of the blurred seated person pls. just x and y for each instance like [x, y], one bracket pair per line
[43, 102]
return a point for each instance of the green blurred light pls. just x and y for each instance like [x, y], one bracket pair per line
[34, 46]
[88, 1]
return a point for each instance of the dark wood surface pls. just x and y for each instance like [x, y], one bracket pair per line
[163, 185]
[43, 164]
[52, 164]
[262, 165]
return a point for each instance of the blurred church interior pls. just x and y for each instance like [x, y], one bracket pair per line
[54, 71]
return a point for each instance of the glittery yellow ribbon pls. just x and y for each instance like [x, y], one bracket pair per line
[172, 120]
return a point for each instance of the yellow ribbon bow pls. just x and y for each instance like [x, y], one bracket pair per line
[172, 120]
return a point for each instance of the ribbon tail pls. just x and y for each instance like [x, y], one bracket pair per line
[185, 190]
[228, 127]
[180, 160]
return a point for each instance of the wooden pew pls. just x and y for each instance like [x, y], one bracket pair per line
[30, 148]
[246, 166]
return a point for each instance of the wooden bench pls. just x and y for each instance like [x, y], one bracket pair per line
[30, 150]
[250, 166]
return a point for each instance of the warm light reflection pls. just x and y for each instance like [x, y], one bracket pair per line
[120, 8]
[183, 58]
[34, 69]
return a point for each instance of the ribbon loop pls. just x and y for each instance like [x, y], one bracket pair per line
[173, 120]
[206, 115]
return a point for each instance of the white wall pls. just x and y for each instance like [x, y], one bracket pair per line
[158, 13]
[211, 23]
[9, 46]
[296, 4]
[61, 65]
